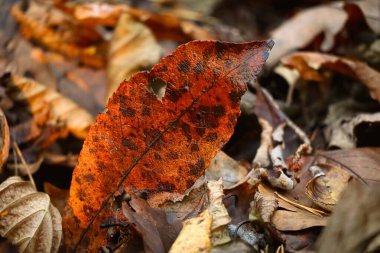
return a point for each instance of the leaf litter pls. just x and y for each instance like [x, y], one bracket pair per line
[306, 137]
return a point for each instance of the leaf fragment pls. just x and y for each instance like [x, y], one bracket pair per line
[195, 235]
[325, 188]
[220, 217]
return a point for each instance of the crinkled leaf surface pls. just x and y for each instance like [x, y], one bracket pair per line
[27, 218]
[167, 142]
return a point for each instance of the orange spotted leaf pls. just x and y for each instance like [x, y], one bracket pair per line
[146, 144]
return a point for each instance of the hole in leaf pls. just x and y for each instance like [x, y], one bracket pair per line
[158, 86]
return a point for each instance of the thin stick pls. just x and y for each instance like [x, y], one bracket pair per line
[16, 161]
[317, 212]
[15, 146]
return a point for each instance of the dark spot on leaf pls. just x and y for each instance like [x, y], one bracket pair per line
[165, 187]
[146, 111]
[77, 179]
[172, 156]
[219, 111]
[228, 63]
[199, 68]
[234, 97]
[211, 137]
[128, 112]
[129, 144]
[184, 66]
[186, 130]
[216, 72]
[189, 183]
[173, 94]
[200, 131]
[207, 53]
[89, 178]
[220, 49]
[196, 169]
[157, 156]
[194, 147]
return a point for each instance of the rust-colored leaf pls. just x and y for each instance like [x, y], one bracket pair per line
[150, 145]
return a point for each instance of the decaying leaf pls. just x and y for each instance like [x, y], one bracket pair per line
[220, 217]
[355, 223]
[40, 22]
[133, 48]
[4, 140]
[308, 62]
[347, 131]
[164, 26]
[150, 145]
[263, 207]
[293, 221]
[325, 188]
[362, 162]
[57, 196]
[299, 31]
[61, 110]
[27, 218]
[195, 235]
[158, 235]
[225, 167]
[291, 218]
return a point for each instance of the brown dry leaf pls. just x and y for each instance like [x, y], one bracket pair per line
[292, 218]
[61, 109]
[220, 217]
[57, 195]
[308, 62]
[27, 217]
[362, 162]
[355, 223]
[4, 140]
[40, 21]
[328, 183]
[164, 26]
[302, 29]
[158, 235]
[293, 221]
[133, 48]
[225, 167]
[263, 207]
[195, 235]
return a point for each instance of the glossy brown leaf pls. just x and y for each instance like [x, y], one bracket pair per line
[149, 145]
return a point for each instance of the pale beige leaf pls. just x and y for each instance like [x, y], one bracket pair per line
[27, 218]
[62, 110]
[219, 213]
[304, 27]
[195, 235]
[133, 47]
